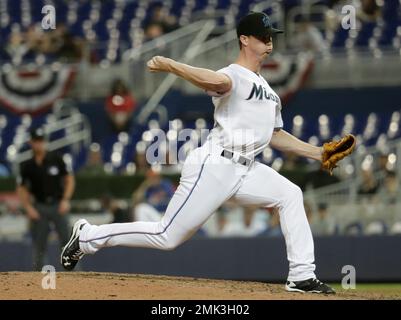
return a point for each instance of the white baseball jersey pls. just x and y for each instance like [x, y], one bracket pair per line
[245, 119]
[246, 116]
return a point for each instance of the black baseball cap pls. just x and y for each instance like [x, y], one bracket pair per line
[256, 24]
[37, 134]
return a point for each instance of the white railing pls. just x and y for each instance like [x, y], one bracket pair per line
[300, 11]
[166, 84]
[64, 118]
[173, 37]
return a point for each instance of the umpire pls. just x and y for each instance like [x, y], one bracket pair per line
[45, 185]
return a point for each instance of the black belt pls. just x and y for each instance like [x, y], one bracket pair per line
[241, 160]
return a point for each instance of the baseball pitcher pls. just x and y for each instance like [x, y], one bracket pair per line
[247, 120]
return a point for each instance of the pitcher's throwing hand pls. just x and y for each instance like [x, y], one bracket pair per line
[159, 64]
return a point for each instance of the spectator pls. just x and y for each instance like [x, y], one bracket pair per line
[308, 212]
[226, 224]
[308, 38]
[64, 45]
[369, 185]
[45, 186]
[334, 15]
[94, 164]
[161, 16]
[323, 224]
[396, 228]
[120, 213]
[152, 197]
[141, 163]
[390, 190]
[292, 162]
[383, 162]
[369, 12]
[24, 45]
[57, 43]
[153, 31]
[250, 222]
[16, 46]
[354, 229]
[274, 229]
[120, 106]
[221, 221]
[71, 47]
[377, 227]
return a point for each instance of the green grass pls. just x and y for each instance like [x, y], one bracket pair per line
[392, 290]
[372, 286]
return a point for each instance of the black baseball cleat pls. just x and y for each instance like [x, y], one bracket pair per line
[71, 252]
[311, 285]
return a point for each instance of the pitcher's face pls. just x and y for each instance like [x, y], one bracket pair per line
[261, 46]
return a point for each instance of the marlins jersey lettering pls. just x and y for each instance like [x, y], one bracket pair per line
[246, 116]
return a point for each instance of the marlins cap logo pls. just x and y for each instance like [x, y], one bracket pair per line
[266, 21]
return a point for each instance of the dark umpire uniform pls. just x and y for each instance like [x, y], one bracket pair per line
[45, 186]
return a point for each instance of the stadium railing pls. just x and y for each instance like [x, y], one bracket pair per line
[72, 126]
[344, 199]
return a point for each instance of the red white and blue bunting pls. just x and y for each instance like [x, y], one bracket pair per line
[33, 89]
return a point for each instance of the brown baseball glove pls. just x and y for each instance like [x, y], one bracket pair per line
[334, 151]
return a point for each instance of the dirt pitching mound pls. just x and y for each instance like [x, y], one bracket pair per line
[90, 285]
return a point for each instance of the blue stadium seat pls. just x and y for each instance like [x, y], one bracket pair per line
[365, 34]
[223, 4]
[200, 5]
[390, 13]
[339, 38]
[388, 33]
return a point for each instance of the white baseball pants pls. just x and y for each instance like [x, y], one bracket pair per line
[207, 181]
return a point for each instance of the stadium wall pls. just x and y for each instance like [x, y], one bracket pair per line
[262, 259]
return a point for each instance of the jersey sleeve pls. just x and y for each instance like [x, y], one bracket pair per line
[231, 74]
[64, 167]
[22, 176]
[278, 123]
